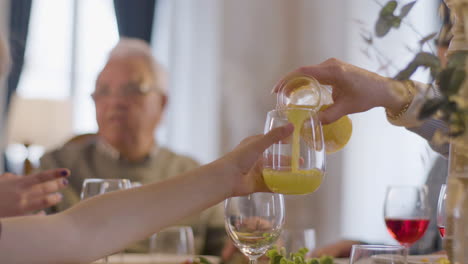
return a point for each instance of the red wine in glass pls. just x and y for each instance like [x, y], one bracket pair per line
[442, 231]
[441, 210]
[406, 231]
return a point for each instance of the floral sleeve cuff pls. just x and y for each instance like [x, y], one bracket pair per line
[410, 118]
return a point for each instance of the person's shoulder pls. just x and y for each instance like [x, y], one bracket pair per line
[67, 154]
[168, 156]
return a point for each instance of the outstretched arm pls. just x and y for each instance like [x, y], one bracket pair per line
[107, 223]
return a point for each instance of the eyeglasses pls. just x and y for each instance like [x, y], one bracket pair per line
[130, 91]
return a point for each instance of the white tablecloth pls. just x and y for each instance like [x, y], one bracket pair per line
[155, 258]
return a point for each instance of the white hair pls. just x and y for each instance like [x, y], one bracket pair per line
[137, 48]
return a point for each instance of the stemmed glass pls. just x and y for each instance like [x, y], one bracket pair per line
[254, 222]
[93, 187]
[441, 218]
[293, 239]
[295, 165]
[406, 213]
[176, 240]
[365, 254]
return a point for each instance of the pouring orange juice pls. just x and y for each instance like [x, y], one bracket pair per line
[297, 165]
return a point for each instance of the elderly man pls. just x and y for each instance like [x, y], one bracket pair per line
[130, 98]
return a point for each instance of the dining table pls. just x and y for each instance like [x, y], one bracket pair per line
[140, 258]
[185, 259]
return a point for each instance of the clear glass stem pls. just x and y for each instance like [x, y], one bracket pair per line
[407, 246]
[252, 260]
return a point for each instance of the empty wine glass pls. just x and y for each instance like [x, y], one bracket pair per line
[295, 165]
[254, 222]
[293, 239]
[176, 240]
[373, 254]
[441, 218]
[93, 187]
[406, 213]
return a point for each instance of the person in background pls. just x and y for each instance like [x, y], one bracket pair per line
[130, 98]
[357, 90]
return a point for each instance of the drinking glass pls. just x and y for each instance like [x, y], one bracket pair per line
[295, 165]
[254, 222]
[293, 239]
[441, 218]
[93, 187]
[406, 213]
[373, 254]
[175, 240]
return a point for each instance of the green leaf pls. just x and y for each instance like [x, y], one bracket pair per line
[313, 261]
[303, 251]
[276, 259]
[406, 9]
[203, 260]
[387, 19]
[427, 38]
[326, 260]
[388, 8]
[422, 59]
[273, 252]
[396, 22]
[382, 27]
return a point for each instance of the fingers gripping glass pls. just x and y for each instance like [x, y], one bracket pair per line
[295, 165]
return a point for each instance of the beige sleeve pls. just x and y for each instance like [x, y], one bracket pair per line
[70, 196]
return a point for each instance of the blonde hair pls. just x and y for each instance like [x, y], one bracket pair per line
[5, 60]
[136, 48]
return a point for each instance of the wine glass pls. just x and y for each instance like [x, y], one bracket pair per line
[176, 240]
[441, 218]
[369, 254]
[293, 239]
[295, 165]
[254, 222]
[93, 187]
[406, 213]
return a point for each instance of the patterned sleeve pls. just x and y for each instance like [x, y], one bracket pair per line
[426, 128]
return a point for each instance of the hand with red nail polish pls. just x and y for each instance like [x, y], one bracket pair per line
[20, 195]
